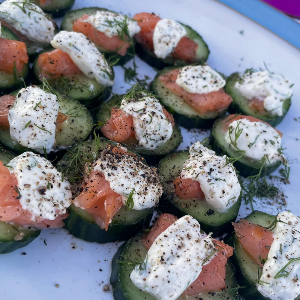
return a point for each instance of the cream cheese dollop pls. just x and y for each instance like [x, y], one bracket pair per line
[166, 36]
[28, 19]
[42, 190]
[85, 56]
[174, 261]
[268, 87]
[32, 119]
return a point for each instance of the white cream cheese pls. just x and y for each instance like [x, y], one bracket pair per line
[41, 189]
[166, 36]
[151, 127]
[200, 79]
[257, 140]
[85, 56]
[174, 261]
[270, 88]
[32, 119]
[217, 179]
[285, 248]
[127, 175]
[109, 22]
[28, 19]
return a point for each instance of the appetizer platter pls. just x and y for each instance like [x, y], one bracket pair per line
[147, 153]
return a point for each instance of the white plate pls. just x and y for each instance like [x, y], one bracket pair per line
[82, 269]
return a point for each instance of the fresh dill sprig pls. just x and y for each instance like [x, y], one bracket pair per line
[130, 202]
[285, 173]
[283, 272]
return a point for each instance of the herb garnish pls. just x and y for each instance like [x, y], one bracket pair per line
[283, 272]
[130, 202]
[27, 124]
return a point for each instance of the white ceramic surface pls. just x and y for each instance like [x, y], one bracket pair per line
[82, 269]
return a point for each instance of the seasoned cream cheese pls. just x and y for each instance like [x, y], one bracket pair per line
[151, 127]
[85, 56]
[166, 36]
[200, 79]
[174, 261]
[32, 119]
[109, 22]
[127, 175]
[268, 87]
[280, 281]
[257, 139]
[28, 19]
[218, 180]
[42, 191]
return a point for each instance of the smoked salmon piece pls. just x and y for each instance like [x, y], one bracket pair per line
[12, 53]
[214, 102]
[257, 106]
[186, 48]
[256, 240]
[212, 276]
[11, 209]
[99, 199]
[6, 102]
[232, 118]
[111, 44]
[119, 127]
[188, 189]
[56, 64]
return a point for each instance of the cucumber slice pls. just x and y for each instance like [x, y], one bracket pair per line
[210, 220]
[240, 104]
[80, 223]
[13, 237]
[57, 8]
[151, 156]
[78, 87]
[5, 155]
[149, 57]
[245, 165]
[10, 82]
[67, 24]
[133, 252]
[185, 115]
[246, 269]
[73, 130]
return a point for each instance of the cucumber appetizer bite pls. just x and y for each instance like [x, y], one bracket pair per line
[267, 255]
[260, 94]
[163, 42]
[29, 23]
[201, 184]
[139, 121]
[111, 32]
[33, 196]
[14, 64]
[253, 146]
[57, 8]
[114, 190]
[42, 120]
[193, 94]
[75, 68]
[175, 260]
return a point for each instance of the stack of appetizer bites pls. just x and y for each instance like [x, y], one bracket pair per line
[99, 185]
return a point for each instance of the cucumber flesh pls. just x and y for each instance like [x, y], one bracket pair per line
[73, 130]
[78, 87]
[210, 220]
[6, 156]
[80, 223]
[183, 113]
[72, 16]
[245, 165]
[240, 104]
[151, 156]
[57, 8]
[134, 252]
[157, 63]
